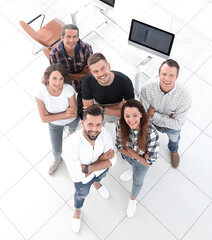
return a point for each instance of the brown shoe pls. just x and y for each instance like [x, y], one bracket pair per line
[175, 159]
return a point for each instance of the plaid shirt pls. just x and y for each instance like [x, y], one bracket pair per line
[74, 64]
[176, 102]
[152, 142]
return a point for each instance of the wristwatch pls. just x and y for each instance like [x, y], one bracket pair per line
[86, 169]
[103, 109]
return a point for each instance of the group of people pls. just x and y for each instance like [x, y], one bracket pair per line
[107, 96]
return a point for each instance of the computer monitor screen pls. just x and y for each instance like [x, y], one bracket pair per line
[105, 4]
[151, 39]
[111, 3]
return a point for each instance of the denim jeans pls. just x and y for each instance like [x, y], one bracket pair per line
[82, 190]
[139, 172]
[174, 137]
[56, 135]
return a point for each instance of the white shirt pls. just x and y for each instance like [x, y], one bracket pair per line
[176, 102]
[57, 104]
[77, 150]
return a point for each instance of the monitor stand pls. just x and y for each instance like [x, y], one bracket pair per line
[141, 77]
[103, 11]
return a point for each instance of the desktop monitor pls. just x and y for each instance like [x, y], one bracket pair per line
[151, 39]
[106, 4]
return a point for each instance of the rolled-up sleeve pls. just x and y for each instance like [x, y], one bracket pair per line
[118, 141]
[179, 116]
[109, 145]
[71, 154]
[152, 145]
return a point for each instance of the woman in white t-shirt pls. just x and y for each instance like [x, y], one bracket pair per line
[57, 106]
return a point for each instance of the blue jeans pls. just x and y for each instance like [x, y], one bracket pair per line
[174, 137]
[56, 135]
[82, 190]
[139, 172]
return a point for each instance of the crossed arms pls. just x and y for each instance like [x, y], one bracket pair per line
[71, 111]
[114, 110]
[103, 162]
[129, 152]
[80, 75]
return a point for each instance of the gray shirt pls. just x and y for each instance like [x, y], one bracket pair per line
[176, 102]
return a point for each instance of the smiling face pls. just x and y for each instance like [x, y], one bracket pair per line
[168, 76]
[56, 81]
[70, 39]
[132, 117]
[101, 71]
[92, 127]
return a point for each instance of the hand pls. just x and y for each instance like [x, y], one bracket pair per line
[73, 111]
[46, 113]
[151, 111]
[86, 69]
[146, 156]
[70, 112]
[129, 150]
[117, 105]
[121, 104]
[105, 156]
[83, 167]
[89, 169]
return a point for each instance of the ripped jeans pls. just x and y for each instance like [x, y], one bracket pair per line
[173, 135]
[82, 190]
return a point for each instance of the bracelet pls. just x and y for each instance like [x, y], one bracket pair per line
[86, 169]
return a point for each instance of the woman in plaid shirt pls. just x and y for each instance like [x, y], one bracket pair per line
[138, 142]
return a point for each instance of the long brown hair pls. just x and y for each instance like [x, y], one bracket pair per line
[125, 129]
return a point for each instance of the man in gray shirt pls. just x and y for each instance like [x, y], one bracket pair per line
[167, 104]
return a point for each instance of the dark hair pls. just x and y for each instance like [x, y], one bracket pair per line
[125, 129]
[96, 57]
[171, 63]
[69, 26]
[55, 67]
[92, 110]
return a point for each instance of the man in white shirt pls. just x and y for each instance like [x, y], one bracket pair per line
[88, 154]
[167, 104]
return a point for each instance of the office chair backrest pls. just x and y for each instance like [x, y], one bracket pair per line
[48, 35]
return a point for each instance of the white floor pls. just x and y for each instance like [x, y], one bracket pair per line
[173, 204]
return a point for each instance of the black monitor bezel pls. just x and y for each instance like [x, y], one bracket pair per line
[144, 45]
[111, 5]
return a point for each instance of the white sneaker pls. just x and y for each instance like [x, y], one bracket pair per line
[131, 208]
[126, 176]
[76, 224]
[54, 167]
[103, 192]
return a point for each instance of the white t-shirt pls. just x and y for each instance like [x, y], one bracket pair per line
[57, 104]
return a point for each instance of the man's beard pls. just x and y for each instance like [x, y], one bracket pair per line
[92, 138]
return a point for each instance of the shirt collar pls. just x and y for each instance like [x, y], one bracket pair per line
[170, 92]
[63, 51]
[77, 47]
[61, 48]
[85, 141]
